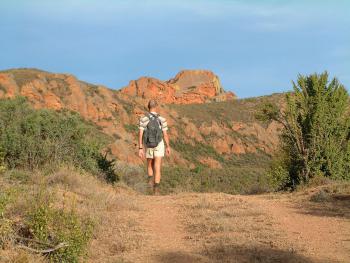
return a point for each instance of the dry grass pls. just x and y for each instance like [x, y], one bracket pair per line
[239, 110]
[19, 256]
[212, 227]
[328, 200]
[113, 209]
[228, 227]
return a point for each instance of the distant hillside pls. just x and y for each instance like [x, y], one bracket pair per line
[219, 134]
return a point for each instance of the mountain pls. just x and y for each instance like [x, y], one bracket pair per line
[208, 126]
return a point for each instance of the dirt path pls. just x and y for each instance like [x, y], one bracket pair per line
[165, 233]
[324, 237]
[223, 228]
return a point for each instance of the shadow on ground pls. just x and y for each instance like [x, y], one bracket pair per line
[335, 206]
[237, 254]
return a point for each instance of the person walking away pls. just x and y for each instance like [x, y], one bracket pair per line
[153, 143]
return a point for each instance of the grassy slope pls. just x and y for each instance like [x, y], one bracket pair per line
[242, 173]
[241, 110]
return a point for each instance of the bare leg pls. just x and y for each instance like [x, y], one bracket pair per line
[150, 165]
[157, 166]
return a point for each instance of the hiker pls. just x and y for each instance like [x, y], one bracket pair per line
[153, 132]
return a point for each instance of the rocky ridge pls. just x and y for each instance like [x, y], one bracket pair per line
[188, 86]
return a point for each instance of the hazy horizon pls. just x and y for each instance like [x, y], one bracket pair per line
[255, 47]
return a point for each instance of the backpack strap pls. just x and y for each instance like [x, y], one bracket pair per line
[156, 116]
[152, 114]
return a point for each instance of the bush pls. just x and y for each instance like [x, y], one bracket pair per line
[6, 231]
[57, 226]
[278, 174]
[278, 177]
[41, 225]
[108, 169]
[34, 139]
[316, 134]
[320, 197]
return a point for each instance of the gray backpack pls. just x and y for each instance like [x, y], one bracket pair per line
[153, 133]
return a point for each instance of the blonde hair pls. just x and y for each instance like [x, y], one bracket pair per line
[152, 104]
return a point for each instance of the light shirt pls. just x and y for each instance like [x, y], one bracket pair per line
[144, 120]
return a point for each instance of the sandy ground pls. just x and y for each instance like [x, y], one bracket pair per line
[218, 227]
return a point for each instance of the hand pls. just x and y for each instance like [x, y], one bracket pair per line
[167, 151]
[141, 153]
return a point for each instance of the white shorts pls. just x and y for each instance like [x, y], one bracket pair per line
[156, 151]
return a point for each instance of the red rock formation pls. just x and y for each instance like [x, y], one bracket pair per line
[188, 86]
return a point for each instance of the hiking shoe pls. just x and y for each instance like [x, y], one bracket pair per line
[151, 181]
[156, 189]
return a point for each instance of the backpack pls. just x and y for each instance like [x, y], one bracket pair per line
[153, 133]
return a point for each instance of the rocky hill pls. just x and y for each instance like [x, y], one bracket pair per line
[215, 135]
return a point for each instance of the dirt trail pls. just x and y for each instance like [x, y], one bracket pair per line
[237, 229]
[326, 238]
[165, 233]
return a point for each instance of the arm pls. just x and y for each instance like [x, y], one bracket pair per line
[167, 143]
[141, 150]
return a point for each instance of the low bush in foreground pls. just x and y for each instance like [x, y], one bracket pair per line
[34, 221]
[37, 226]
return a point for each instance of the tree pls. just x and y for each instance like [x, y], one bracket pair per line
[316, 129]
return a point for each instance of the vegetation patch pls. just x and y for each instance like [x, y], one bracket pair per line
[23, 76]
[232, 180]
[34, 224]
[242, 110]
[132, 128]
[315, 141]
[192, 152]
[33, 139]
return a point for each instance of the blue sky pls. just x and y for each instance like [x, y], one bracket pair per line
[255, 47]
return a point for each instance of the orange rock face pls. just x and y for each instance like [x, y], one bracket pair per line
[188, 86]
[210, 162]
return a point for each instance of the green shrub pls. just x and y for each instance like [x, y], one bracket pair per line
[75, 232]
[316, 130]
[32, 139]
[6, 230]
[54, 226]
[30, 216]
[130, 127]
[320, 197]
[5, 196]
[108, 169]
[278, 174]
[18, 175]
[193, 152]
[278, 177]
